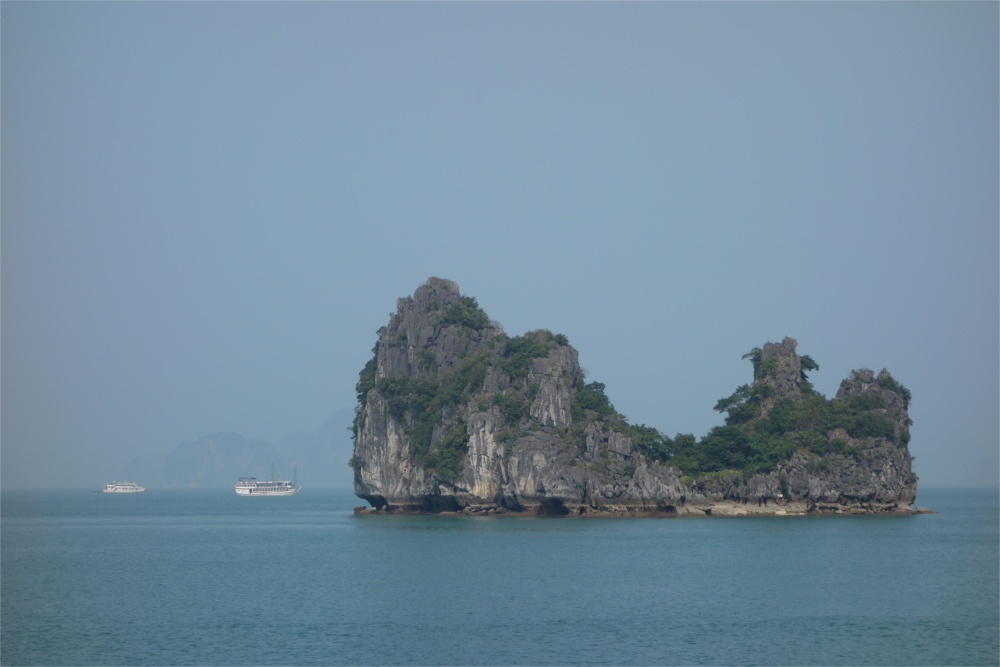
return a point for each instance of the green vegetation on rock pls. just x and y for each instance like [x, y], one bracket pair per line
[465, 313]
[591, 398]
[445, 379]
[762, 428]
[892, 385]
[520, 351]
[419, 404]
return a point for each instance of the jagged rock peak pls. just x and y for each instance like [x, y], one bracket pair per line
[780, 367]
[436, 291]
[894, 396]
[864, 380]
[432, 331]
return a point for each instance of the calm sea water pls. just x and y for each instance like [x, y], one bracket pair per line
[209, 578]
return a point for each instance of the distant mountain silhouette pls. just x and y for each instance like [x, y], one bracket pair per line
[321, 456]
[318, 459]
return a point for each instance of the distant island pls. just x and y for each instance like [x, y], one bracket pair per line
[219, 459]
[454, 415]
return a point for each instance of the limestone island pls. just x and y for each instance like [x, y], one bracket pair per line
[455, 416]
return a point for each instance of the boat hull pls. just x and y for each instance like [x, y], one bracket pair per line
[251, 486]
[123, 487]
[264, 492]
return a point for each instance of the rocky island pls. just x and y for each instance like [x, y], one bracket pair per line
[454, 415]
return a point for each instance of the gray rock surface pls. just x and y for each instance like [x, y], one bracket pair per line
[527, 446]
[780, 367]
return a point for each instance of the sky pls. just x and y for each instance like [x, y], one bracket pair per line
[208, 209]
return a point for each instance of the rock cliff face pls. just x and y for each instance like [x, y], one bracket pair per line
[454, 415]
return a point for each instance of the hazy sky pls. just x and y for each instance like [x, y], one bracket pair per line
[209, 208]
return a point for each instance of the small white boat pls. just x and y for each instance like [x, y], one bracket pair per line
[251, 486]
[123, 487]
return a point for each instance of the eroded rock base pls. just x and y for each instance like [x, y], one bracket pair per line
[689, 510]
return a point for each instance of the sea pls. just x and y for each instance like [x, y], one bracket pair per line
[205, 577]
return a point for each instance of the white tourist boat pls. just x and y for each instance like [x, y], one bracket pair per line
[123, 487]
[251, 486]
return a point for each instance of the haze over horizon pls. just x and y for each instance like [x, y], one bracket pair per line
[210, 208]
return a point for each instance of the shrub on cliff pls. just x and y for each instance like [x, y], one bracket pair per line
[465, 313]
[591, 398]
[520, 351]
